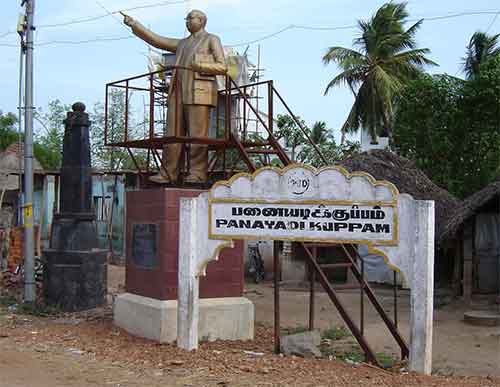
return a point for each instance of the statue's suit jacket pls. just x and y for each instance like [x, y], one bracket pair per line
[201, 52]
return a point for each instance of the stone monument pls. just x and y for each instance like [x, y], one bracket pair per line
[75, 273]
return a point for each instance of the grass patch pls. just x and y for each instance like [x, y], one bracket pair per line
[34, 309]
[386, 360]
[336, 333]
[37, 309]
[7, 300]
[294, 330]
[355, 356]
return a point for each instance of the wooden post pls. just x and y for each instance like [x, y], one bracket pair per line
[468, 248]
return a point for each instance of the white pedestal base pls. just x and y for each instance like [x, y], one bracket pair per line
[230, 318]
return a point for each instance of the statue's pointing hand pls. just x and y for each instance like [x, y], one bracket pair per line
[128, 20]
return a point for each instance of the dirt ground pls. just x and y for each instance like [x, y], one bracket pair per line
[85, 349]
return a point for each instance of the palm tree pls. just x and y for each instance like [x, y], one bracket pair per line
[385, 57]
[320, 133]
[481, 47]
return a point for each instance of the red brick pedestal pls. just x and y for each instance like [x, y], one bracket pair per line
[154, 273]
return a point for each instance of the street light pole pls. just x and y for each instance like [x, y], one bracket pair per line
[29, 258]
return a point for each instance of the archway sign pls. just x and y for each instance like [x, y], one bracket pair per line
[301, 203]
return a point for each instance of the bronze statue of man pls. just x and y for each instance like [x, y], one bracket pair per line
[199, 58]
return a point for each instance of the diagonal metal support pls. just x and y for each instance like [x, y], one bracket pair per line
[370, 355]
[405, 352]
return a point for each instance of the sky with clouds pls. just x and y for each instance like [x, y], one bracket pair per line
[72, 72]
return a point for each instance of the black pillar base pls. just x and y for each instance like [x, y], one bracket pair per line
[75, 280]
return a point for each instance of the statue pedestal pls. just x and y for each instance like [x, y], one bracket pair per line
[151, 276]
[227, 318]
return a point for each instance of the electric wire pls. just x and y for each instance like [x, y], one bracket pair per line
[265, 37]
[492, 22]
[93, 18]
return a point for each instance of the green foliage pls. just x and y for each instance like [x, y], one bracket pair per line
[330, 151]
[290, 132]
[8, 132]
[105, 157]
[386, 360]
[336, 333]
[49, 137]
[481, 48]
[385, 57]
[301, 150]
[450, 128]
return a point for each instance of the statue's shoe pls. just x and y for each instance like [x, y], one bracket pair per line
[159, 179]
[193, 179]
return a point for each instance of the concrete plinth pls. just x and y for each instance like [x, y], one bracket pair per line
[228, 318]
[75, 280]
[482, 318]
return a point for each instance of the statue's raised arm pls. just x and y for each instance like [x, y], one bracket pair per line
[149, 36]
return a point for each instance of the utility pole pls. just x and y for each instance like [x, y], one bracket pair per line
[29, 256]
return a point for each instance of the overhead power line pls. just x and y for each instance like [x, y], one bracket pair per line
[97, 17]
[93, 18]
[76, 42]
[492, 22]
[265, 37]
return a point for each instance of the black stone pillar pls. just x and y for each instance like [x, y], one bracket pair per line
[75, 272]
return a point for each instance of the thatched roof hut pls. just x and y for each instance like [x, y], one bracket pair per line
[386, 165]
[468, 208]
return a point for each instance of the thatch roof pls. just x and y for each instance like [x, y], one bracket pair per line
[12, 155]
[468, 208]
[9, 166]
[386, 165]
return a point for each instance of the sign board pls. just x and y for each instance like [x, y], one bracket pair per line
[144, 244]
[305, 211]
[301, 203]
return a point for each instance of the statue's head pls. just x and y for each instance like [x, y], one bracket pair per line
[196, 21]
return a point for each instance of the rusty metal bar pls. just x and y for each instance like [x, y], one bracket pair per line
[395, 298]
[217, 118]
[250, 85]
[230, 111]
[151, 109]
[263, 151]
[154, 152]
[106, 117]
[281, 154]
[148, 160]
[163, 166]
[362, 299]
[370, 355]
[224, 162]
[126, 112]
[304, 131]
[244, 115]
[380, 310]
[130, 87]
[135, 161]
[226, 109]
[244, 153]
[137, 77]
[277, 271]
[312, 279]
[270, 107]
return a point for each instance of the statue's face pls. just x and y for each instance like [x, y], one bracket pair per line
[194, 22]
